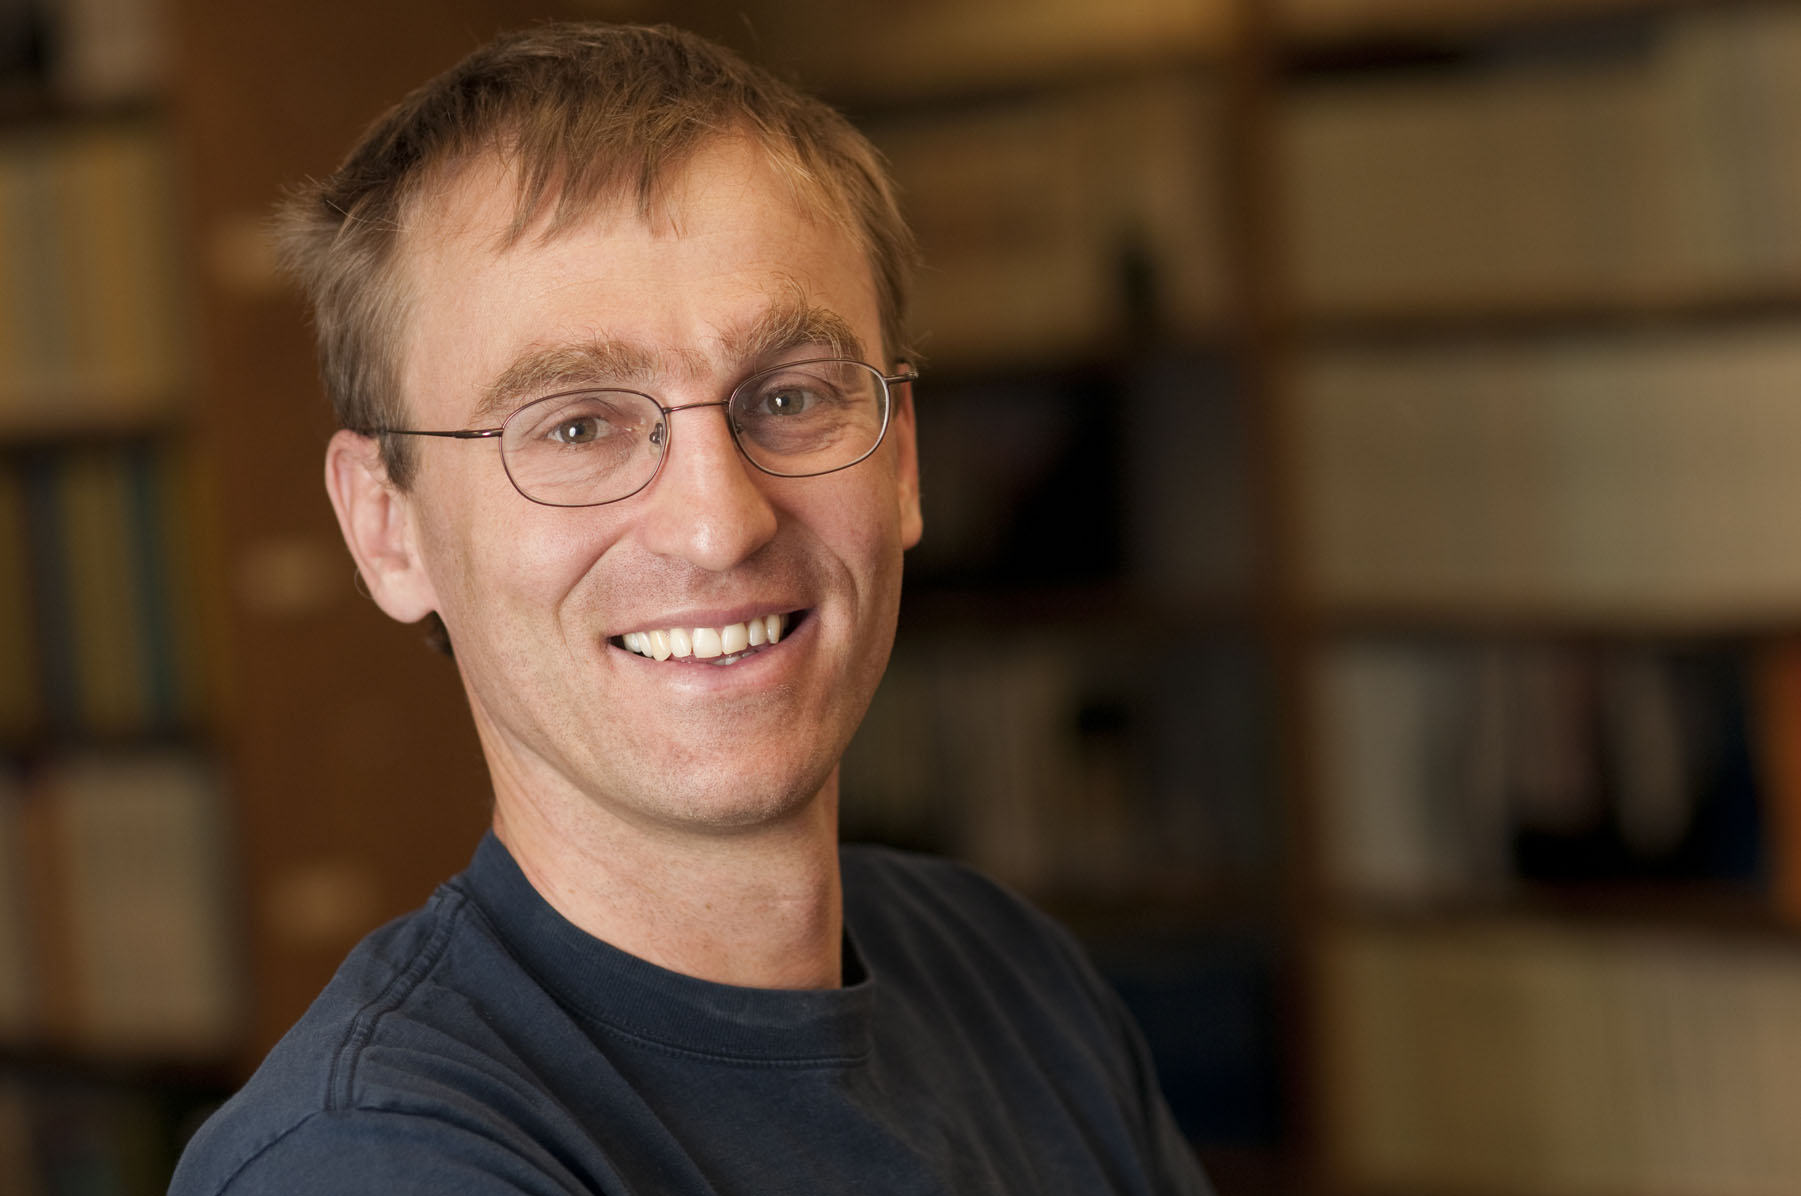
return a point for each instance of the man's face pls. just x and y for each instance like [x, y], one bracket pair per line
[729, 275]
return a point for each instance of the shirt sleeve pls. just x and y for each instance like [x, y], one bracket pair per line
[1172, 1158]
[1060, 972]
[364, 1152]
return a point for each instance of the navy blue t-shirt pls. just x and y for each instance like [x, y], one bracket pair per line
[486, 1045]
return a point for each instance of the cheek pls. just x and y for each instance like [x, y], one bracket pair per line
[500, 561]
[862, 523]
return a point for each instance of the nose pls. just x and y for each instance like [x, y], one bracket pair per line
[707, 505]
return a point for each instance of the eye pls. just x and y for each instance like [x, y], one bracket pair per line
[582, 429]
[579, 421]
[787, 398]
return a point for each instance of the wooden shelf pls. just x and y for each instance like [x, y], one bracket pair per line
[869, 57]
[26, 103]
[1431, 618]
[86, 421]
[1184, 917]
[1709, 910]
[929, 609]
[1548, 316]
[24, 747]
[119, 1068]
[1325, 24]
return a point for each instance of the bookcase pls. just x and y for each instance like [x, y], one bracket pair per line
[1082, 699]
[1356, 592]
[1539, 313]
[120, 990]
[1435, 616]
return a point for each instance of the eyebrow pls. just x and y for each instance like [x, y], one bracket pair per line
[547, 369]
[780, 329]
[794, 324]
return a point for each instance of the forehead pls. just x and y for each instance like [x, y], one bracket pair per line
[727, 249]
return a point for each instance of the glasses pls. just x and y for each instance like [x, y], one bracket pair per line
[586, 448]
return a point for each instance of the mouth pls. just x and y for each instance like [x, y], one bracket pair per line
[719, 646]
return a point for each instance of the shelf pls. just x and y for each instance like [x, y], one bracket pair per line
[1312, 25]
[1548, 316]
[1181, 917]
[1429, 618]
[929, 609]
[868, 58]
[24, 748]
[119, 1068]
[26, 104]
[1711, 911]
[81, 422]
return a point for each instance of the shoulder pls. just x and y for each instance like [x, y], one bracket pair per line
[313, 1090]
[896, 889]
[962, 959]
[913, 913]
[377, 1152]
[876, 876]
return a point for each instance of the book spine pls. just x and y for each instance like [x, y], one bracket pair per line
[21, 684]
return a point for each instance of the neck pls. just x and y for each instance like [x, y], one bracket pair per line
[759, 908]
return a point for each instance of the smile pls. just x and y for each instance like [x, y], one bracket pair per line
[716, 645]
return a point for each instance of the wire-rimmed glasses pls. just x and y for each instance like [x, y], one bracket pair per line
[589, 447]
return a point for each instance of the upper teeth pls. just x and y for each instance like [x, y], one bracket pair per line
[705, 643]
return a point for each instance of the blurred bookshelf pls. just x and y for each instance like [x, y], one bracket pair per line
[1082, 700]
[1540, 305]
[1357, 591]
[120, 982]
[1441, 355]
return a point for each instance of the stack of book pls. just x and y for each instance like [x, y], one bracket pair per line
[90, 278]
[101, 623]
[1652, 168]
[116, 936]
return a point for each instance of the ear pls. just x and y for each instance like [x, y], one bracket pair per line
[905, 431]
[377, 521]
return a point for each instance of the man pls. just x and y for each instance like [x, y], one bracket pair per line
[614, 326]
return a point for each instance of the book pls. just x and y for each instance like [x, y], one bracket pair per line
[18, 964]
[1530, 1056]
[21, 703]
[1387, 718]
[107, 50]
[1602, 475]
[19, 1171]
[117, 221]
[1778, 732]
[1575, 172]
[1462, 768]
[1188, 509]
[1079, 771]
[50, 598]
[33, 282]
[142, 842]
[110, 640]
[1058, 228]
[90, 280]
[102, 594]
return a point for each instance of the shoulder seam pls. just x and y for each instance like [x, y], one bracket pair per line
[341, 1082]
[275, 1140]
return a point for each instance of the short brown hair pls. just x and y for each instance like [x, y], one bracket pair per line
[586, 114]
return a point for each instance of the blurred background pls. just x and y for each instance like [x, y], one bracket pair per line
[1362, 466]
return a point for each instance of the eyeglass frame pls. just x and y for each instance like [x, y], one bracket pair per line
[889, 381]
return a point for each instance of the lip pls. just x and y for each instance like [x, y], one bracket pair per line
[714, 617]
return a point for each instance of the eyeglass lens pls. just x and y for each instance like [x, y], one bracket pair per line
[589, 447]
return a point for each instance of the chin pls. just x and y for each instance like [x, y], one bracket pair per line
[737, 803]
